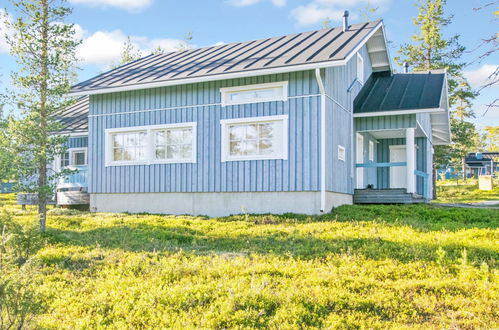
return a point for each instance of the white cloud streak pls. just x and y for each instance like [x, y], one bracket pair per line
[480, 76]
[317, 11]
[245, 3]
[103, 48]
[130, 5]
[4, 31]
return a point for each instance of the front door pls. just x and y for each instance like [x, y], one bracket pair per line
[398, 174]
[360, 160]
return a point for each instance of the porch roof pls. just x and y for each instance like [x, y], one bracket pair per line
[387, 94]
[74, 119]
[401, 91]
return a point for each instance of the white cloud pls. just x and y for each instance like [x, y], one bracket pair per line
[313, 14]
[4, 31]
[130, 5]
[244, 3]
[318, 10]
[480, 76]
[103, 48]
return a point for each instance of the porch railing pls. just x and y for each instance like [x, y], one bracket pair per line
[79, 178]
[381, 164]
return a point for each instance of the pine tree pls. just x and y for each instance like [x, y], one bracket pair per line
[129, 53]
[430, 50]
[44, 48]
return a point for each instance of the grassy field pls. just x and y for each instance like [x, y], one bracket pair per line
[465, 192]
[397, 267]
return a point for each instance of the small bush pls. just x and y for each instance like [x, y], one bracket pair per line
[19, 301]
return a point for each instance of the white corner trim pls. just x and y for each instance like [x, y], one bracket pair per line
[224, 141]
[242, 74]
[360, 70]
[322, 155]
[397, 112]
[149, 129]
[247, 88]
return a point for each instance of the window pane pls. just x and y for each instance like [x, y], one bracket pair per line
[266, 147]
[79, 158]
[117, 140]
[159, 138]
[172, 152]
[118, 154]
[267, 130]
[65, 159]
[174, 136]
[252, 131]
[129, 154]
[236, 148]
[237, 133]
[251, 148]
[187, 136]
[187, 151]
[160, 153]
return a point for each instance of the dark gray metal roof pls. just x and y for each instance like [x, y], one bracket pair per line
[279, 52]
[74, 119]
[401, 91]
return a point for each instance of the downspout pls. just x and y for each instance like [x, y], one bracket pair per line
[323, 139]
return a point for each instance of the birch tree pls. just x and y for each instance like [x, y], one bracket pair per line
[43, 45]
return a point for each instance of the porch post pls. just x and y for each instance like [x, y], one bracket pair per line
[411, 161]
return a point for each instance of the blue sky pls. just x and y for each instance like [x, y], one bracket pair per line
[104, 24]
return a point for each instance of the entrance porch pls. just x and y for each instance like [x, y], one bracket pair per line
[393, 166]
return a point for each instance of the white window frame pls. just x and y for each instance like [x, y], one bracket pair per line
[72, 151]
[149, 159]
[371, 151]
[57, 160]
[360, 69]
[224, 92]
[342, 153]
[225, 123]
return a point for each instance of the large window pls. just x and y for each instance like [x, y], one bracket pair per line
[255, 138]
[277, 91]
[172, 143]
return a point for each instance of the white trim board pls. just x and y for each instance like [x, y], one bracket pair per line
[397, 112]
[242, 74]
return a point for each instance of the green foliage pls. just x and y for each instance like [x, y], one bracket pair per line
[185, 44]
[358, 267]
[129, 53]
[466, 192]
[44, 48]
[19, 300]
[430, 50]
[491, 138]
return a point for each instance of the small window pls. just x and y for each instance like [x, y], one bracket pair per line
[371, 151]
[255, 138]
[65, 159]
[360, 69]
[277, 91]
[174, 144]
[79, 158]
[341, 153]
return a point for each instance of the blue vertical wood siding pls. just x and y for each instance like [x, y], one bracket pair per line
[77, 142]
[385, 122]
[342, 88]
[383, 155]
[201, 103]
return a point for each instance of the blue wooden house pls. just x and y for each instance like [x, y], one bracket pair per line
[297, 123]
